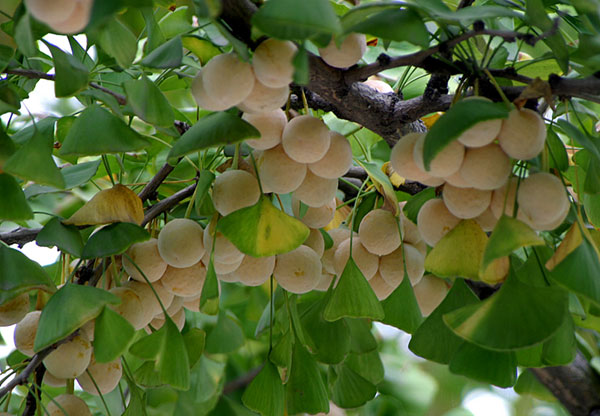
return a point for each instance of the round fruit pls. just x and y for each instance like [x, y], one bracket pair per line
[347, 54]
[457, 180]
[52, 381]
[180, 243]
[14, 310]
[367, 262]
[72, 406]
[90, 326]
[338, 159]
[325, 281]
[547, 226]
[487, 220]
[130, 307]
[316, 191]
[379, 232]
[466, 202]
[482, 133]
[379, 86]
[445, 163]
[410, 231]
[279, 173]
[254, 271]
[145, 256]
[150, 303]
[223, 268]
[403, 162]
[77, 20]
[503, 199]
[225, 251]
[177, 317]
[315, 217]
[25, 332]
[305, 139]
[486, 167]
[337, 235]
[228, 79]
[70, 359]
[192, 303]
[270, 126]
[542, 198]
[430, 292]
[434, 221]
[263, 98]
[391, 266]
[272, 62]
[176, 305]
[105, 375]
[203, 99]
[233, 190]
[315, 241]
[184, 282]
[298, 271]
[381, 288]
[50, 11]
[523, 134]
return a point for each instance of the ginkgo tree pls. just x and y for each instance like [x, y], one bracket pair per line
[245, 189]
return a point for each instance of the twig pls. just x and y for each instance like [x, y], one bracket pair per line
[35, 392]
[20, 236]
[242, 381]
[168, 203]
[150, 189]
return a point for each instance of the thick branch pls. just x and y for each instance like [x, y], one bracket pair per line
[20, 236]
[168, 203]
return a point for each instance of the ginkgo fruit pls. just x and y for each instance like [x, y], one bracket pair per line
[403, 162]
[315, 241]
[272, 62]
[316, 191]
[175, 306]
[337, 235]
[523, 134]
[14, 310]
[180, 243]
[430, 292]
[145, 256]
[504, 198]
[410, 231]
[177, 317]
[130, 307]
[445, 163]
[51, 11]
[186, 281]
[192, 303]
[434, 221]
[379, 232]
[487, 220]
[315, 217]
[305, 139]
[101, 378]
[223, 268]
[228, 79]
[457, 180]
[547, 226]
[53, 381]
[203, 99]
[71, 358]
[338, 159]
[25, 333]
[224, 251]
[486, 167]
[270, 126]
[391, 266]
[254, 271]
[150, 302]
[348, 53]
[325, 281]
[233, 190]
[542, 198]
[466, 202]
[367, 262]
[67, 405]
[298, 271]
[263, 98]
[379, 86]
[278, 172]
[482, 133]
[381, 288]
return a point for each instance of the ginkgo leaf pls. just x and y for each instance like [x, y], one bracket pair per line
[117, 204]
[383, 185]
[572, 240]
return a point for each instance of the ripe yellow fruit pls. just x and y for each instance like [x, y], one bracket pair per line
[317, 217]
[434, 221]
[225, 251]
[337, 235]
[379, 86]
[466, 202]
[523, 134]
[263, 98]
[203, 99]
[403, 162]
[367, 262]
[349, 52]
[338, 159]
[316, 191]
[146, 256]
[105, 375]
[50, 11]
[305, 139]
[233, 190]
[430, 292]
[14, 310]
[184, 282]
[150, 303]
[486, 167]
[542, 198]
[315, 241]
[228, 79]
[445, 163]
[180, 243]
[298, 271]
[72, 406]
[381, 288]
[279, 173]
[482, 133]
[130, 307]
[70, 359]
[254, 271]
[272, 62]
[379, 232]
[25, 332]
[487, 220]
[270, 125]
[391, 266]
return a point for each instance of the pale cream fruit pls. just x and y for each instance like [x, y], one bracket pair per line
[379, 86]
[90, 326]
[14, 310]
[430, 292]
[77, 20]
[25, 332]
[279, 173]
[315, 241]
[486, 167]
[223, 268]
[233, 190]
[410, 231]
[144, 255]
[130, 307]
[337, 235]
[180, 243]
[105, 375]
[349, 52]
[71, 404]
[445, 163]
[270, 126]
[379, 232]
[487, 220]
[228, 79]
[325, 281]
[466, 202]
[367, 262]
[298, 271]
[53, 381]
[185, 282]
[203, 99]
[150, 303]
[272, 62]
[305, 139]
[338, 159]
[225, 251]
[542, 198]
[457, 180]
[50, 11]
[316, 191]
[176, 305]
[391, 266]
[254, 271]
[434, 221]
[403, 162]
[70, 359]
[504, 198]
[315, 217]
[263, 98]
[381, 288]
[548, 226]
[421, 246]
[523, 134]
[482, 133]
[228, 277]
[178, 318]
[192, 303]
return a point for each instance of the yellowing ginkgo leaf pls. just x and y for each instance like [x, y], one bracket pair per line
[572, 240]
[396, 179]
[431, 119]
[117, 204]
[496, 272]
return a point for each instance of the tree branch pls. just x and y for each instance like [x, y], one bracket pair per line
[168, 203]
[242, 381]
